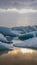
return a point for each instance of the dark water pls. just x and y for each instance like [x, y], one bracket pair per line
[18, 56]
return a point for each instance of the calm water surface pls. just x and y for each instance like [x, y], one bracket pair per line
[18, 56]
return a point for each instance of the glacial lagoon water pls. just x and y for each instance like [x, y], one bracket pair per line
[12, 55]
[18, 56]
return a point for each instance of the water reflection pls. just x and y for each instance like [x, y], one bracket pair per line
[21, 50]
[19, 56]
[24, 50]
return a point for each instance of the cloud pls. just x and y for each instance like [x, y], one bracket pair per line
[20, 11]
[18, 4]
[15, 19]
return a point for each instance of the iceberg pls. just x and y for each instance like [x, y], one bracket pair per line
[6, 32]
[30, 43]
[25, 37]
[4, 40]
[4, 46]
[28, 35]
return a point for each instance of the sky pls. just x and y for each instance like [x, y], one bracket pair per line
[18, 12]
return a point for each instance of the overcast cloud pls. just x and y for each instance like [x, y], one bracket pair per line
[18, 12]
[18, 4]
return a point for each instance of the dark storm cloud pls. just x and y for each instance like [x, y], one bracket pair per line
[18, 3]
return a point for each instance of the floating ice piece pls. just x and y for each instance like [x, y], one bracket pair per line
[30, 43]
